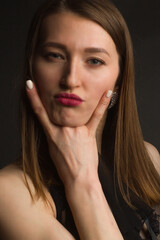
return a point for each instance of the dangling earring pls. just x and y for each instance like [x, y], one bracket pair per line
[113, 100]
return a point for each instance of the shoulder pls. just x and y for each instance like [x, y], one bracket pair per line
[12, 184]
[19, 216]
[154, 155]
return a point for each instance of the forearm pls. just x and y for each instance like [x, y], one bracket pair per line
[91, 212]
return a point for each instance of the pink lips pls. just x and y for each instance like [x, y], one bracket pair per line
[68, 99]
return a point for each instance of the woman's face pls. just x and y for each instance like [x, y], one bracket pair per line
[76, 56]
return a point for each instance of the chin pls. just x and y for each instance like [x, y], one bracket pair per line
[68, 123]
[69, 118]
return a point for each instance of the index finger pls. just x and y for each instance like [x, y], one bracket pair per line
[99, 112]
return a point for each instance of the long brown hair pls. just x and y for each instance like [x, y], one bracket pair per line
[123, 140]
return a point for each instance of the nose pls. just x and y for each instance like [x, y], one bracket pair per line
[72, 75]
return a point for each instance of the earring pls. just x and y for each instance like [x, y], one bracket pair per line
[113, 100]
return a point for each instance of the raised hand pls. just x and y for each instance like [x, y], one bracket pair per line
[74, 153]
[73, 150]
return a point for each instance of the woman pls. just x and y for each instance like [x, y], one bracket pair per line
[85, 171]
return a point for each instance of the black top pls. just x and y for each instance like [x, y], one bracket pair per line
[131, 222]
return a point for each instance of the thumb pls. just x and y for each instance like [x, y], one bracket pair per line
[99, 112]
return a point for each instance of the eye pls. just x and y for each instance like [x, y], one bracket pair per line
[95, 61]
[54, 56]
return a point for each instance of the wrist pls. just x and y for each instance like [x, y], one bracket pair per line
[89, 186]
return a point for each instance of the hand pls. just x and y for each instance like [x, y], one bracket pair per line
[73, 150]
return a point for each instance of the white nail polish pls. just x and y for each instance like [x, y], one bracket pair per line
[109, 93]
[29, 84]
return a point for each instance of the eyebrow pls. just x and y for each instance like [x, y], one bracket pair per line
[87, 50]
[54, 44]
[96, 50]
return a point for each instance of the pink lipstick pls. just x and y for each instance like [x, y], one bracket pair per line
[68, 99]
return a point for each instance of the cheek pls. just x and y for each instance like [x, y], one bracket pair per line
[101, 83]
[96, 93]
[46, 77]
[105, 82]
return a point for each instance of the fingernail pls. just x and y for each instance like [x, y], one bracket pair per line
[109, 93]
[29, 84]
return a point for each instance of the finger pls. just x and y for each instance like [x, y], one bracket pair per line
[39, 109]
[99, 112]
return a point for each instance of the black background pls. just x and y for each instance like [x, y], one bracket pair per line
[143, 19]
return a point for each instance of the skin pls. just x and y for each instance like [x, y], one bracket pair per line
[77, 69]
[67, 60]
[66, 127]
[71, 131]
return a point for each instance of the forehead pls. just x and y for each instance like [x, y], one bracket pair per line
[70, 28]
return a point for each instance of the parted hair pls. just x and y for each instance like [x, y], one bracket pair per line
[122, 146]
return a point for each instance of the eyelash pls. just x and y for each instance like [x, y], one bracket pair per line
[100, 62]
[55, 55]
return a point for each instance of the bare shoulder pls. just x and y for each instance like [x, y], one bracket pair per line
[19, 217]
[12, 184]
[11, 174]
[154, 155]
